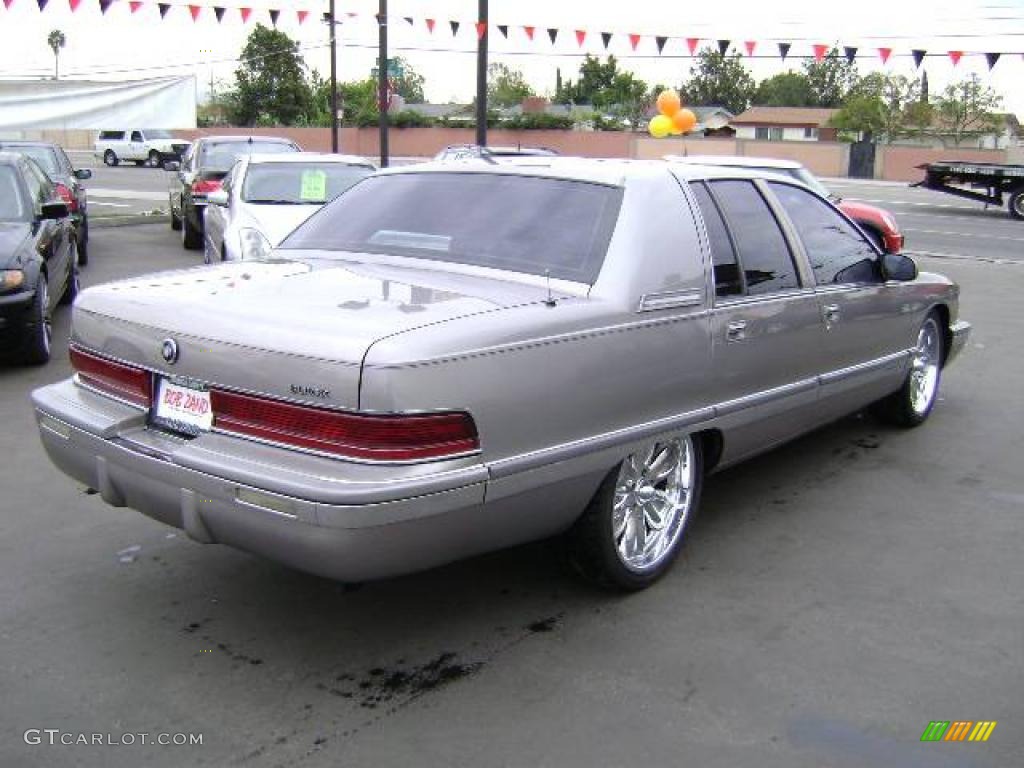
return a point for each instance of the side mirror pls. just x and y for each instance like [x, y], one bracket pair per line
[172, 165]
[896, 266]
[54, 210]
[83, 173]
[217, 197]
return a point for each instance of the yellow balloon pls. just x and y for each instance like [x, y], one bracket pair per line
[660, 126]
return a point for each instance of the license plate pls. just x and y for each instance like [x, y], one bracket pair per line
[183, 407]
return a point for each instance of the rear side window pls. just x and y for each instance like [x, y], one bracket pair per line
[837, 251]
[111, 135]
[765, 258]
[518, 223]
[728, 281]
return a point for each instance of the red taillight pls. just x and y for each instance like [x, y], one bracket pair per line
[205, 186]
[360, 436]
[67, 197]
[124, 381]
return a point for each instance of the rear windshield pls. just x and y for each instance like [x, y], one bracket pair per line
[222, 155]
[524, 224]
[45, 157]
[12, 202]
[300, 183]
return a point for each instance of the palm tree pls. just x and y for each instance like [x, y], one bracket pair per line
[56, 41]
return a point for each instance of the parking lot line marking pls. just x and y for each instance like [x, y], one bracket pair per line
[125, 194]
[110, 205]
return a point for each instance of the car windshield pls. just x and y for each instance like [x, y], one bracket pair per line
[12, 203]
[220, 156]
[158, 135]
[526, 224]
[300, 183]
[44, 157]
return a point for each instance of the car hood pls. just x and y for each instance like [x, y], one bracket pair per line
[280, 326]
[12, 235]
[274, 221]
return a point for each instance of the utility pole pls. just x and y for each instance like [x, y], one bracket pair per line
[382, 81]
[334, 80]
[481, 76]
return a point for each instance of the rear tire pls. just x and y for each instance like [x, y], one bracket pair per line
[1016, 203]
[175, 219]
[191, 238]
[39, 329]
[635, 526]
[153, 161]
[109, 158]
[83, 244]
[911, 404]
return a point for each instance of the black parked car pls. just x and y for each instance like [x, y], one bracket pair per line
[53, 160]
[202, 171]
[37, 258]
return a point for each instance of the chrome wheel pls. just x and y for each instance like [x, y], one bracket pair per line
[924, 371]
[45, 318]
[651, 503]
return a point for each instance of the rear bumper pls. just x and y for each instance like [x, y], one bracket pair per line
[360, 522]
[959, 332]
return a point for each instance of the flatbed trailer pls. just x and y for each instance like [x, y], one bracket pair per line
[1000, 182]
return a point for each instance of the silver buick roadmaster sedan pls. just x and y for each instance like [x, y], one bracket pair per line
[450, 359]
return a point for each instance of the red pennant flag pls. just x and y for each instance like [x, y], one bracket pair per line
[820, 51]
[634, 40]
[134, 5]
[302, 16]
[749, 45]
[581, 36]
[481, 30]
[7, 3]
[885, 53]
[194, 10]
[246, 13]
[430, 25]
[954, 56]
[529, 31]
[691, 43]
[74, 4]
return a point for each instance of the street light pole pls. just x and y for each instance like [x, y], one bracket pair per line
[481, 77]
[334, 81]
[382, 81]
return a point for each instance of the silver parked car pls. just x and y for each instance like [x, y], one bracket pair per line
[449, 359]
[264, 197]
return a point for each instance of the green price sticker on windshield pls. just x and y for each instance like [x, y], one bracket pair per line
[314, 186]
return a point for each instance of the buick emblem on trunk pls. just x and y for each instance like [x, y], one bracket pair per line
[169, 351]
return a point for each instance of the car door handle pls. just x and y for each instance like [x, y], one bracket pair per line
[831, 313]
[736, 330]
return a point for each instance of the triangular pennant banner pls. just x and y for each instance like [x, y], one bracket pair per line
[992, 58]
[723, 46]
[430, 25]
[918, 55]
[529, 31]
[42, 4]
[75, 3]
[850, 52]
[692, 43]
[553, 34]
[105, 4]
[503, 28]
[274, 15]
[163, 7]
[410, 20]
[581, 37]
[481, 30]
[634, 40]
[606, 37]
[218, 11]
[750, 45]
[195, 10]
[820, 51]
[134, 5]
[884, 54]
[455, 27]
[784, 50]
[660, 42]
[302, 16]
[955, 56]
[246, 13]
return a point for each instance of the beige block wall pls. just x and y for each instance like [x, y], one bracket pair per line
[823, 158]
[899, 163]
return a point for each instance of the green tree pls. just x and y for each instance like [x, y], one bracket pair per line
[506, 87]
[881, 105]
[831, 79]
[967, 109]
[56, 41]
[595, 78]
[717, 80]
[410, 84]
[786, 89]
[270, 84]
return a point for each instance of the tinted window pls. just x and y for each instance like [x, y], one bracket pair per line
[763, 253]
[136, 136]
[44, 157]
[39, 184]
[838, 252]
[221, 155]
[13, 206]
[299, 182]
[510, 222]
[727, 272]
[111, 135]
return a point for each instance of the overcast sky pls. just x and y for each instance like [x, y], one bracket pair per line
[122, 45]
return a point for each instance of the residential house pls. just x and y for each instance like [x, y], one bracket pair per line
[785, 124]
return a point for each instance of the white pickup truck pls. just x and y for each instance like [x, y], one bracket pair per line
[142, 147]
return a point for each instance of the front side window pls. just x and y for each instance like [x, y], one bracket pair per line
[136, 136]
[13, 206]
[763, 253]
[299, 183]
[728, 279]
[527, 224]
[838, 252]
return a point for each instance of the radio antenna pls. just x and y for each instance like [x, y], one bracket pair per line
[550, 301]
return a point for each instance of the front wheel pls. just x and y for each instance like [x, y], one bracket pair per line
[911, 404]
[636, 524]
[1016, 203]
[110, 158]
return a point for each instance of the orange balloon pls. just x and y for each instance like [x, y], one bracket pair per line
[684, 120]
[668, 103]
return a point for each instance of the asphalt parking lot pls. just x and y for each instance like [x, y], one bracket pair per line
[836, 596]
